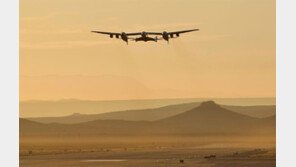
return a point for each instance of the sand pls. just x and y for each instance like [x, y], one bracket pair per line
[166, 157]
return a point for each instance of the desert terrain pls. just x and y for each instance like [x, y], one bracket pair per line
[240, 157]
[187, 134]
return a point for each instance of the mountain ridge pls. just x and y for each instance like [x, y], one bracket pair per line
[208, 118]
[153, 114]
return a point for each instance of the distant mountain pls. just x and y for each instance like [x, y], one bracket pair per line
[209, 110]
[258, 111]
[153, 114]
[67, 107]
[28, 127]
[212, 118]
[98, 127]
[129, 115]
[27, 123]
[208, 118]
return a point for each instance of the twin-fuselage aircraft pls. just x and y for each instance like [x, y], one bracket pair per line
[143, 36]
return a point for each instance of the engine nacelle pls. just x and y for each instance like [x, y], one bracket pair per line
[178, 34]
[143, 34]
[172, 35]
[117, 36]
[165, 35]
[123, 35]
[111, 35]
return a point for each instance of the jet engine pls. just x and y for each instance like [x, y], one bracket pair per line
[123, 35]
[165, 35]
[143, 34]
[111, 35]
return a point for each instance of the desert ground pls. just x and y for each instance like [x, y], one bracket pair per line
[190, 134]
[159, 157]
[158, 151]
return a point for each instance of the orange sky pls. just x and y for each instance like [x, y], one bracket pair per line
[233, 54]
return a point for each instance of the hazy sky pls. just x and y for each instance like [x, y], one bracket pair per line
[233, 54]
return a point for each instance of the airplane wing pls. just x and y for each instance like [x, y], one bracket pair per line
[136, 33]
[150, 33]
[108, 33]
[175, 32]
[179, 32]
[114, 33]
[154, 33]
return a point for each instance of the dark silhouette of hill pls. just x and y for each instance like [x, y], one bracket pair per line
[269, 121]
[28, 127]
[27, 123]
[258, 111]
[129, 115]
[208, 118]
[209, 110]
[153, 114]
[66, 107]
[212, 118]
[98, 127]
